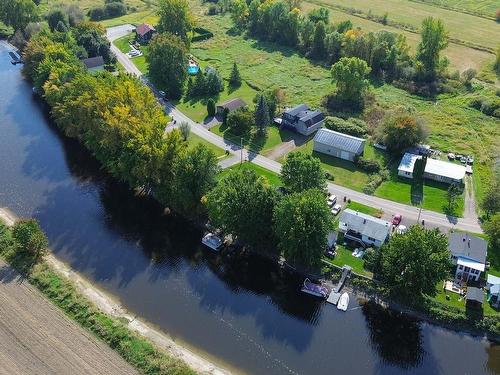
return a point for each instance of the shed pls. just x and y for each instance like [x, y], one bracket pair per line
[94, 63]
[474, 296]
[337, 144]
[232, 105]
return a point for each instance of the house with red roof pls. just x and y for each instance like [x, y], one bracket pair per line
[144, 32]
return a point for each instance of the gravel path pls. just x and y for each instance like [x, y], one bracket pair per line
[37, 338]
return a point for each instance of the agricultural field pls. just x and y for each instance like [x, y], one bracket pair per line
[486, 8]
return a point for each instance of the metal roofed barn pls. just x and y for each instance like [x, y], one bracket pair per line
[339, 145]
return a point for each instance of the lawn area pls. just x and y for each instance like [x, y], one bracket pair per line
[344, 256]
[377, 212]
[253, 140]
[273, 178]
[124, 46]
[458, 301]
[145, 16]
[194, 140]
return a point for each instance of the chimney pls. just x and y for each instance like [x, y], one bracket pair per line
[364, 221]
[463, 239]
[469, 243]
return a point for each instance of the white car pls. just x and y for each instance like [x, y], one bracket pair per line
[332, 199]
[336, 209]
[401, 229]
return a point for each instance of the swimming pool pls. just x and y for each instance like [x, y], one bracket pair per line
[193, 69]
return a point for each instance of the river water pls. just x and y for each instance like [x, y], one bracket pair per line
[241, 311]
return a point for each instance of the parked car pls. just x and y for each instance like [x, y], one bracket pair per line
[332, 199]
[336, 209]
[396, 220]
[162, 93]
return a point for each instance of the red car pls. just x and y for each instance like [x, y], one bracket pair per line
[397, 219]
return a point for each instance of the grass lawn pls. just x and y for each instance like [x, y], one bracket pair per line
[344, 256]
[124, 46]
[377, 212]
[457, 301]
[194, 140]
[253, 140]
[273, 178]
[484, 7]
[144, 16]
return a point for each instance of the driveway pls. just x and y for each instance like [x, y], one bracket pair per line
[117, 32]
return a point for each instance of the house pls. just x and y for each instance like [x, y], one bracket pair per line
[94, 64]
[474, 297]
[302, 119]
[231, 105]
[337, 144]
[493, 285]
[363, 228]
[437, 170]
[469, 254]
[144, 33]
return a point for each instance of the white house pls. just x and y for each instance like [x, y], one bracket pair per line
[437, 170]
[364, 228]
[469, 254]
[302, 119]
[337, 144]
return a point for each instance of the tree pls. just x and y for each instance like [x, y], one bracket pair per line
[195, 177]
[211, 107]
[242, 204]
[261, 114]
[167, 59]
[30, 238]
[414, 262]
[115, 9]
[496, 64]
[240, 121]
[452, 196]
[491, 200]
[318, 47]
[18, 13]
[235, 78]
[401, 130]
[434, 40]
[213, 83]
[302, 172]
[349, 74]
[55, 16]
[492, 229]
[75, 14]
[185, 130]
[467, 77]
[175, 18]
[92, 37]
[319, 14]
[239, 13]
[302, 222]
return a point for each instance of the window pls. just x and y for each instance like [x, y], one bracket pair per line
[460, 267]
[407, 173]
[371, 239]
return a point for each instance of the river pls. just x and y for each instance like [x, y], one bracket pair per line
[240, 311]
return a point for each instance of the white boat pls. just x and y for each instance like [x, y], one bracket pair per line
[343, 302]
[212, 241]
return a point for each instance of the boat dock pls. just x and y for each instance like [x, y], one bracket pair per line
[335, 294]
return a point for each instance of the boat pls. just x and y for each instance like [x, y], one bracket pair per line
[343, 302]
[212, 241]
[313, 289]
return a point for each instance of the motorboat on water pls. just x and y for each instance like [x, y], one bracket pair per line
[343, 302]
[212, 241]
[316, 290]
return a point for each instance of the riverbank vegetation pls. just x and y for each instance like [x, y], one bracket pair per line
[24, 246]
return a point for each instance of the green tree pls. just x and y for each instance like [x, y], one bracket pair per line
[55, 16]
[302, 172]
[30, 238]
[261, 114]
[242, 204]
[92, 37]
[319, 15]
[401, 130]
[239, 13]
[492, 229]
[302, 222]
[18, 13]
[496, 64]
[452, 196]
[185, 130]
[414, 262]
[195, 177]
[175, 18]
[491, 200]
[240, 121]
[211, 107]
[434, 40]
[349, 74]
[235, 78]
[167, 59]
[318, 47]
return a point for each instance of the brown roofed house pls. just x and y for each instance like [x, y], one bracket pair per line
[144, 32]
[232, 105]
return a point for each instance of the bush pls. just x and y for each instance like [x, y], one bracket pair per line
[487, 106]
[352, 126]
[203, 34]
[212, 10]
[97, 13]
[368, 165]
[115, 9]
[211, 107]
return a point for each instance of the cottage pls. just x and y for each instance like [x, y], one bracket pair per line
[231, 105]
[94, 64]
[363, 228]
[469, 254]
[144, 33]
[437, 170]
[302, 119]
[337, 144]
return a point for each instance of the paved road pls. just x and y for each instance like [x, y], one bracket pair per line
[37, 338]
[390, 208]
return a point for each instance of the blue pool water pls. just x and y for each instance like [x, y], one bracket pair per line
[192, 69]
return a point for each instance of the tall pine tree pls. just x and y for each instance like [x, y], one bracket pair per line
[261, 114]
[235, 78]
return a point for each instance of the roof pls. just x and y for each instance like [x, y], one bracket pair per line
[232, 104]
[144, 29]
[297, 109]
[494, 280]
[93, 62]
[467, 246]
[365, 224]
[471, 264]
[474, 294]
[495, 289]
[303, 113]
[433, 166]
[341, 141]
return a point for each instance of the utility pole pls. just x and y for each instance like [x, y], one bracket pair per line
[241, 150]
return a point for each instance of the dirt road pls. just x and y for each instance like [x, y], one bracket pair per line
[37, 338]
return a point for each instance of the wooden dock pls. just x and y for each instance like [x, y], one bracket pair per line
[335, 294]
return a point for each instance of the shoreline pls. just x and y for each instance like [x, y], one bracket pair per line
[106, 303]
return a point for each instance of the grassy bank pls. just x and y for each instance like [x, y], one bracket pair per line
[273, 178]
[136, 350]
